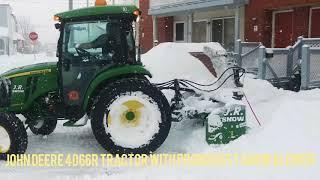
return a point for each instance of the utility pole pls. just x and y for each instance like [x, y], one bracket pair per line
[70, 4]
[112, 2]
[87, 3]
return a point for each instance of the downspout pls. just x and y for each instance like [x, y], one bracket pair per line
[237, 24]
[155, 30]
[189, 27]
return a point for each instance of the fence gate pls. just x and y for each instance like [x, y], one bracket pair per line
[281, 65]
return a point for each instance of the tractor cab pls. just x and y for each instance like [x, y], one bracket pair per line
[89, 35]
[92, 40]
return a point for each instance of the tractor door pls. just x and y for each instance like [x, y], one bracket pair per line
[87, 49]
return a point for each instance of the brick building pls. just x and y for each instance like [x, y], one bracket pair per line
[165, 27]
[278, 23]
[191, 21]
[275, 23]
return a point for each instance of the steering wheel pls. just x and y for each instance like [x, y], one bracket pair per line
[82, 52]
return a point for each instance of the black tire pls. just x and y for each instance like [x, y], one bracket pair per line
[48, 126]
[109, 94]
[17, 134]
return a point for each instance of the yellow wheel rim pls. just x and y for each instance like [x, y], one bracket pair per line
[131, 117]
[4, 141]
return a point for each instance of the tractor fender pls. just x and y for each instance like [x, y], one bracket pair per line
[110, 75]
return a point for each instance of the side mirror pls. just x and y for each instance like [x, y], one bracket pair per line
[57, 25]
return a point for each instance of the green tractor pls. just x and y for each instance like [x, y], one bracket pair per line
[98, 76]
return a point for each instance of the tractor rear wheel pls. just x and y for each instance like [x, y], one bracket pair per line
[131, 116]
[13, 136]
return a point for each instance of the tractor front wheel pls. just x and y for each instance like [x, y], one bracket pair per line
[131, 116]
[13, 136]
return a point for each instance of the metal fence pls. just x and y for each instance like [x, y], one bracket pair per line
[247, 54]
[296, 54]
[278, 65]
[310, 67]
[311, 42]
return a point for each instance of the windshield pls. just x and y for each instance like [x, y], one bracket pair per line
[107, 40]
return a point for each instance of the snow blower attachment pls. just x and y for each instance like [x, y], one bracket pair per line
[223, 123]
[227, 125]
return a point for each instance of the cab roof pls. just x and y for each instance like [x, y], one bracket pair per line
[97, 10]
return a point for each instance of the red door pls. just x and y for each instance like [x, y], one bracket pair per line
[315, 23]
[283, 35]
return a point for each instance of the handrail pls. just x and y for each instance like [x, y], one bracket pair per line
[251, 51]
[311, 39]
[297, 44]
[253, 43]
[315, 48]
[281, 51]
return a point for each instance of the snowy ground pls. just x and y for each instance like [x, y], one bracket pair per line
[290, 124]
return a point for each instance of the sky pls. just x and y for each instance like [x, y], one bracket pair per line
[41, 14]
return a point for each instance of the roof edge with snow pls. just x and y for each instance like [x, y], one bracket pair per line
[189, 6]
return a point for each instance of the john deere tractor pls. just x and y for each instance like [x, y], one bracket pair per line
[98, 76]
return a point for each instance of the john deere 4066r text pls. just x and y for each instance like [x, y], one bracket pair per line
[97, 75]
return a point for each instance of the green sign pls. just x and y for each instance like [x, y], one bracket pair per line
[226, 126]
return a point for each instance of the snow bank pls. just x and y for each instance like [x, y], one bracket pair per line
[10, 62]
[172, 60]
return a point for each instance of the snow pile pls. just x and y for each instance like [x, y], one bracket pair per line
[220, 63]
[9, 62]
[168, 61]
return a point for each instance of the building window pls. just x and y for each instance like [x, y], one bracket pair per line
[223, 32]
[315, 26]
[179, 32]
[229, 33]
[2, 47]
[199, 32]
[217, 28]
[3, 17]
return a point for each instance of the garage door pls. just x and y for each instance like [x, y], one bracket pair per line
[315, 23]
[283, 30]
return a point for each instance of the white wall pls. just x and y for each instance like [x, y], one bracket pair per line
[209, 15]
[135, 2]
[164, 2]
[10, 25]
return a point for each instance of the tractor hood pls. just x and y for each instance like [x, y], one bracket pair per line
[41, 68]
